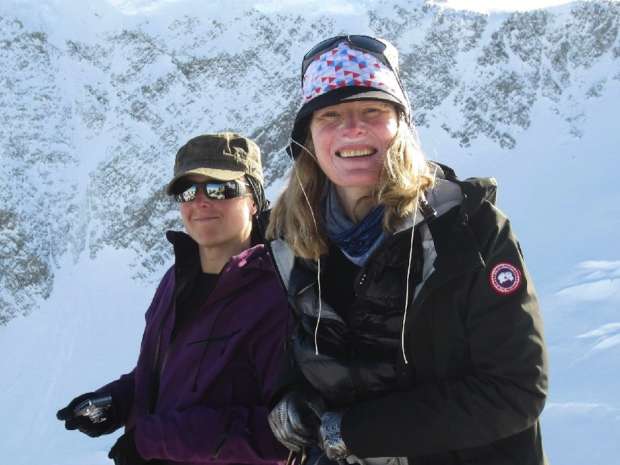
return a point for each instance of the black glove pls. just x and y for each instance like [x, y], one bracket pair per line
[331, 438]
[124, 452]
[92, 425]
[296, 418]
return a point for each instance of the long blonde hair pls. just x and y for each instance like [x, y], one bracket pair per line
[404, 176]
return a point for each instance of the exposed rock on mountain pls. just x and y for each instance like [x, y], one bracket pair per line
[89, 125]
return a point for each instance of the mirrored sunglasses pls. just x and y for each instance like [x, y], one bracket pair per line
[213, 190]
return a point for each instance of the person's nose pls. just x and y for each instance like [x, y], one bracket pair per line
[352, 125]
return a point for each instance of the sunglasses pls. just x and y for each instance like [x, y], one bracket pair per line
[360, 42]
[213, 190]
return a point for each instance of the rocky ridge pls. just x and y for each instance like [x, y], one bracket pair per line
[115, 108]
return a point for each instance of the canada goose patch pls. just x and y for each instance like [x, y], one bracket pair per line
[505, 278]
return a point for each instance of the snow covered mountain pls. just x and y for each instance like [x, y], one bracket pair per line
[95, 104]
[96, 117]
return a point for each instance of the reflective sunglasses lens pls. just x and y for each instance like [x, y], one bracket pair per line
[187, 195]
[216, 190]
[225, 190]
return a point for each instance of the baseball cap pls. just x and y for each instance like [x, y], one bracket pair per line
[221, 156]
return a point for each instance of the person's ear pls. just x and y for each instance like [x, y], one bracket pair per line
[254, 208]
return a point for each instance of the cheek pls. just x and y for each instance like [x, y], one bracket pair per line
[250, 206]
[184, 210]
[243, 213]
[320, 140]
[321, 149]
[323, 159]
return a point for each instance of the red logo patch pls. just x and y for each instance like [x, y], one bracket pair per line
[505, 278]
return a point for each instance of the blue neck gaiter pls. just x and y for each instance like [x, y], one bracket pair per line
[357, 241]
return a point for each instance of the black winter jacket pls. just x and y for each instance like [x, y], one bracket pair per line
[475, 380]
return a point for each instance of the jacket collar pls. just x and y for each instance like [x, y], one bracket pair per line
[455, 245]
[456, 248]
[235, 274]
[186, 251]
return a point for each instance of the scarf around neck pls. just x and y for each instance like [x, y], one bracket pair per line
[357, 241]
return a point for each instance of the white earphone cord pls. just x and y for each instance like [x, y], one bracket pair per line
[316, 229]
[415, 213]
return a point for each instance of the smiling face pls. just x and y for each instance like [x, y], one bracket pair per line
[351, 141]
[218, 224]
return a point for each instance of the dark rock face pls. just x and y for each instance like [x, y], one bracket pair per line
[89, 129]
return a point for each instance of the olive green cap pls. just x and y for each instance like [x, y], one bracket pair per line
[223, 156]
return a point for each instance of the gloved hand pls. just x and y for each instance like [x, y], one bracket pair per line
[330, 438]
[87, 425]
[295, 419]
[124, 451]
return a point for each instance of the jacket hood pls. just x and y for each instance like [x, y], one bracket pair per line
[475, 191]
[186, 251]
[449, 192]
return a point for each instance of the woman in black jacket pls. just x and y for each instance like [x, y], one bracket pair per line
[418, 335]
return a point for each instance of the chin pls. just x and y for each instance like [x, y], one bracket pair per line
[357, 181]
[206, 240]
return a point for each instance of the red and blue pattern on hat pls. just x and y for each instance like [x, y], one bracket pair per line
[343, 66]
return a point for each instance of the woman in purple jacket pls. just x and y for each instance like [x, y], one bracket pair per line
[214, 329]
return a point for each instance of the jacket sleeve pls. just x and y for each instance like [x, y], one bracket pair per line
[288, 376]
[122, 391]
[503, 386]
[232, 434]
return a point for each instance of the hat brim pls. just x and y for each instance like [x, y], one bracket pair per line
[334, 97]
[211, 173]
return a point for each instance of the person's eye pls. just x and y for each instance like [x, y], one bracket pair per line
[329, 115]
[374, 110]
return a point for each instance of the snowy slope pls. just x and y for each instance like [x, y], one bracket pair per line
[95, 102]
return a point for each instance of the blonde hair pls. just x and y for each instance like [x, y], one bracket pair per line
[404, 176]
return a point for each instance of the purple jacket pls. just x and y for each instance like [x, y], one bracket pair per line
[217, 375]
